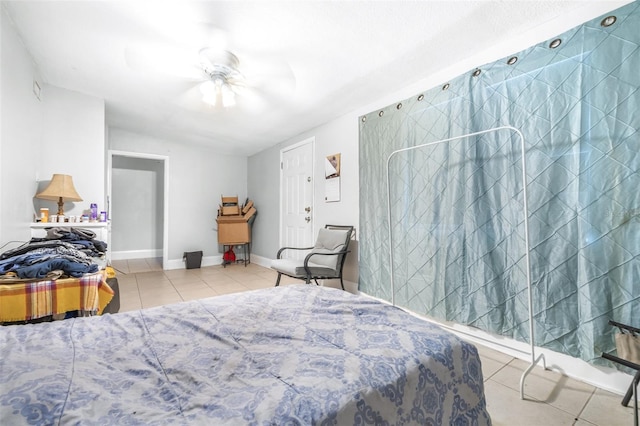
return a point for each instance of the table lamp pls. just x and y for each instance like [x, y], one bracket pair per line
[60, 189]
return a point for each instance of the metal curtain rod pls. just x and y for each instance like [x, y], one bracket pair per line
[525, 212]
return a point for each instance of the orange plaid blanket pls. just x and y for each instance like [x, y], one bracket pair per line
[30, 300]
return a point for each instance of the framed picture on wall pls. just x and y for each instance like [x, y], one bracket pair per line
[332, 178]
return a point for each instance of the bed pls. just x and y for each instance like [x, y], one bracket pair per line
[296, 354]
[47, 299]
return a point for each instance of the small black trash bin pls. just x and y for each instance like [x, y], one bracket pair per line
[193, 259]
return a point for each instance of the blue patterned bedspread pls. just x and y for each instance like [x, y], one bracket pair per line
[297, 354]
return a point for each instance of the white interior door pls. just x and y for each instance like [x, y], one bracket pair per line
[296, 198]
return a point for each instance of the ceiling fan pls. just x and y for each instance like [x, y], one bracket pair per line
[223, 79]
[221, 66]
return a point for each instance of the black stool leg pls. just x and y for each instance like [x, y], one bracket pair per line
[278, 280]
[629, 394]
[635, 402]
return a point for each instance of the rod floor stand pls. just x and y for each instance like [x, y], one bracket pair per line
[534, 362]
[525, 220]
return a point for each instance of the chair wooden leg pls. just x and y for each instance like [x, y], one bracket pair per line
[341, 283]
[278, 280]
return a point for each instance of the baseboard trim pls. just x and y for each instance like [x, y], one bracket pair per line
[603, 377]
[206, 261]
[214, 261]
[135, 254]
[349, 286]
[262, 261]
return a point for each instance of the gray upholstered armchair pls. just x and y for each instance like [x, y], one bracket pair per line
[325, 261]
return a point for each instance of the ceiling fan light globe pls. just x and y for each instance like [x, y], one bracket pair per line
[228, 98]
[209, 98]
[208, 88]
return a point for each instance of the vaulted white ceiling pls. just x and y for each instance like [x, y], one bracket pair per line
[339, 55]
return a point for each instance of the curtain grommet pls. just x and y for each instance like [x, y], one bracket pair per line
[608, 21]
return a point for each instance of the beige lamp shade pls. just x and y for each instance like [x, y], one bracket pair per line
[60, 189]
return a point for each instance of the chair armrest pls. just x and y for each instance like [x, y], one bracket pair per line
[291, 248]
[306, 259]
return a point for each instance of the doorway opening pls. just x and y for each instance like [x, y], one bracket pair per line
[137, 196]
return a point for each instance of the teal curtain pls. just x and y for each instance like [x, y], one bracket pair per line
[456, 209]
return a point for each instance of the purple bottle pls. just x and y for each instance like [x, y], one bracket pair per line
[94, 212]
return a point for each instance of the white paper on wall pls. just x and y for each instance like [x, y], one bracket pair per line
[332, 178]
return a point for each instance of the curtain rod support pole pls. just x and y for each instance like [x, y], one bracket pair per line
[525, 209]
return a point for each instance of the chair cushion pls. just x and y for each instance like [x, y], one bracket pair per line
[329, 241]
[295, 268]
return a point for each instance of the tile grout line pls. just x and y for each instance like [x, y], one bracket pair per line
[577, 418]
[496, 372]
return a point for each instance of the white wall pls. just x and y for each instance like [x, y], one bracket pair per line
[63, 132]
[263, 184]
[198, 177]
[20, 134]
[73, 143]
[341, 135]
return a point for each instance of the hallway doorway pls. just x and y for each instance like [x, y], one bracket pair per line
[138, 205]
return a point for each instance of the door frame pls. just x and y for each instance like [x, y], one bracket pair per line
[165, 202]
[312, 141]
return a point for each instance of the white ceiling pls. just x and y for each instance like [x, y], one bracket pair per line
[342, 55]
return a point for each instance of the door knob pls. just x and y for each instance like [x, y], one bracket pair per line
[307, 209]
[308, 218]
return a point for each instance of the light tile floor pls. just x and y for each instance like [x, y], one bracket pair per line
[551, 398]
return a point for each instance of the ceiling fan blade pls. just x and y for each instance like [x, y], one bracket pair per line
[211, 37]
[266, 83]
[158, 59]
[251, 100]
[268, 73]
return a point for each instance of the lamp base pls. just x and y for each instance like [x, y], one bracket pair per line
[60, 207]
